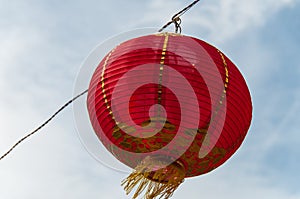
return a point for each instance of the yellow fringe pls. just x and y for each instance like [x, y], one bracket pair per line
[155, 183]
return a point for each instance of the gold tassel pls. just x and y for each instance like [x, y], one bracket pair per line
[155, 183]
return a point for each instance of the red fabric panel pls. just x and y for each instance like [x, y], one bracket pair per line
[182, 54]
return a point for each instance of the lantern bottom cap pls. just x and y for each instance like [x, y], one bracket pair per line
[155, 178]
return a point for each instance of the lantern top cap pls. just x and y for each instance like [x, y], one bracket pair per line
[168, 34]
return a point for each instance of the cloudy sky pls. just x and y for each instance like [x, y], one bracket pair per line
[44, 43]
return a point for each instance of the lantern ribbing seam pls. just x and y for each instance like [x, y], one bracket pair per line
[226, 82]
[161, 68]
[108, 107]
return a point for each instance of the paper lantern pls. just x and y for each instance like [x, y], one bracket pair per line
[170, 107]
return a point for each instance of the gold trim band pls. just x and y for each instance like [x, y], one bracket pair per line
[161, 69]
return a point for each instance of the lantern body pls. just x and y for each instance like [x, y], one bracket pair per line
[150, 89]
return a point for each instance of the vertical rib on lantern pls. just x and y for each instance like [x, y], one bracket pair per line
[223, 119]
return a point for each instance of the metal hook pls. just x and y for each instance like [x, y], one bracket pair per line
[177, 22]
[176, 18]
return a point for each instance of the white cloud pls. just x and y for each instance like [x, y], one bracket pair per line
[218, 20]
[228, 18]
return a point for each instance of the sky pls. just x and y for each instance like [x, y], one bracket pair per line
[44, 43]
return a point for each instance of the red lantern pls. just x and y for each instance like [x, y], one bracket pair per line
[169, 106]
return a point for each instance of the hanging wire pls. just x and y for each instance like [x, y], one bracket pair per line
[176, 18]
[46, 122]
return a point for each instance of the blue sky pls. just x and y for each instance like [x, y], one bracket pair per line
[43, 44]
